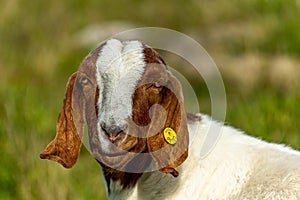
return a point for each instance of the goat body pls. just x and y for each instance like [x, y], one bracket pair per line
[238, 167]
[129, 99]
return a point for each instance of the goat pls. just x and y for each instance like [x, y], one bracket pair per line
[130, 101]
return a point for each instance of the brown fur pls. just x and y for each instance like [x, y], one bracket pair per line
[167, 157]
[152, 56]
[126, 179]
[65, 147]
[145, 128]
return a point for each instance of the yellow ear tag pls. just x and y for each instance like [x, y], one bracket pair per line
[170, 135]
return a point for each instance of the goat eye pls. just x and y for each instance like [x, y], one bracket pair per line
[156, 84]
[84, 81]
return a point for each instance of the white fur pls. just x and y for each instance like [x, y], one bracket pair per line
[119, 65]
[239, 167]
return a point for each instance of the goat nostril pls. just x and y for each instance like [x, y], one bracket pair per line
[113, 132]
[103, 127]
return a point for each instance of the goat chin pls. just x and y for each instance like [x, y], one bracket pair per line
[128, 99]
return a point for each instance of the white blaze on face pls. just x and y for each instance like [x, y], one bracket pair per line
[120, 65]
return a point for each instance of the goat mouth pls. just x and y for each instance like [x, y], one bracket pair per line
[116, 152]
[116, 160]
[116, 138]
[120, 151]
[122, 147]
[126, 161]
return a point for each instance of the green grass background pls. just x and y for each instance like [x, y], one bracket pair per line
[38, 53]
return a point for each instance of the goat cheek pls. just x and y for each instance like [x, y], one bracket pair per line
[140, 113]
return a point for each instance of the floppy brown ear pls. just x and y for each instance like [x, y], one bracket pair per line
[65, 147]
[165, 155]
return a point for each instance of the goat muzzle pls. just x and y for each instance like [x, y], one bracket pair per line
[113, 132]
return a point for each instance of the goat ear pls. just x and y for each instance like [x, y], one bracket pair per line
[65, 147]
[167, 154]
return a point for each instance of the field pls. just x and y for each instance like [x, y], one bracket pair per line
[255, 43]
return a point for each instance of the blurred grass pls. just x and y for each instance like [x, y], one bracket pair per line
[38, 53]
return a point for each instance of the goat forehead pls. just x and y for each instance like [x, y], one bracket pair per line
[119, 67]
[118, 60]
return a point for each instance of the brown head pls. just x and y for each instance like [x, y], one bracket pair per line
[133, 107]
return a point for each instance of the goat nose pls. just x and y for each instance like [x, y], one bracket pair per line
[112, 131]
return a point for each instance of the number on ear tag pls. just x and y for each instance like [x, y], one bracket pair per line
[170, 135]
